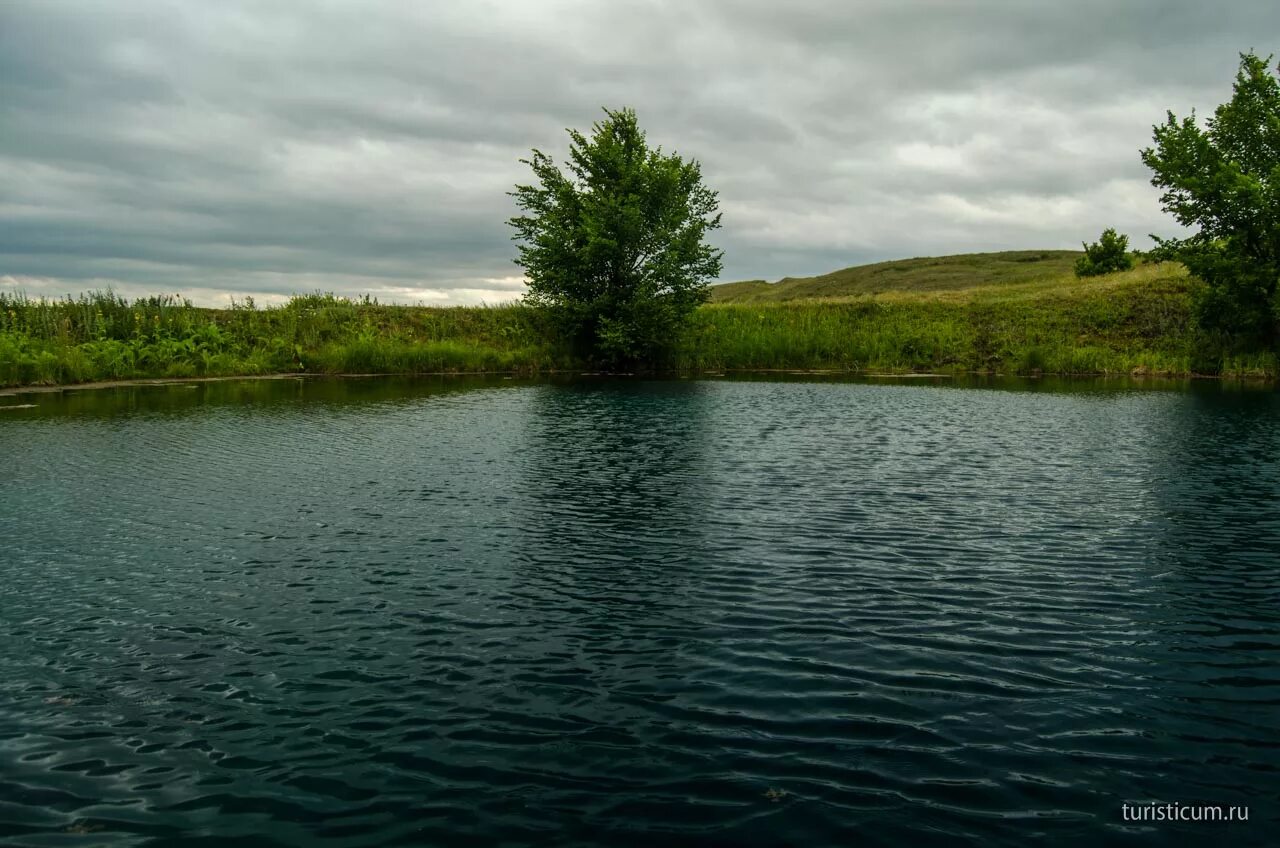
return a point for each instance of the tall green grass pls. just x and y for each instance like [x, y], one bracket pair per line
[101, 336]
[1136, 322]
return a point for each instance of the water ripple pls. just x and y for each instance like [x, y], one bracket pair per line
[748, 613]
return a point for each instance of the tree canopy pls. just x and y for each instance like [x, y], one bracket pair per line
[1224, 181]
[615, 248]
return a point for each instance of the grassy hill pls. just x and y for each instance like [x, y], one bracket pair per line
[926, 274]
[1017, 312]
[995, 320]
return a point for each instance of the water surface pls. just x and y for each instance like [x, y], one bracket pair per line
[637, 613]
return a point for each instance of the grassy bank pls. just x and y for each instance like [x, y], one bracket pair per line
[101, 337]
[1136, 322]
[998, 313]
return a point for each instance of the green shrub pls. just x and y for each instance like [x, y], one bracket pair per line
[1105, 256]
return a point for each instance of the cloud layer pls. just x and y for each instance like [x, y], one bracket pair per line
[367, 147]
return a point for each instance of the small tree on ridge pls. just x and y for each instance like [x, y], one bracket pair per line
[1110, 253]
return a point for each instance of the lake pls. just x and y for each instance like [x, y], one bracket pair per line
[731, 612]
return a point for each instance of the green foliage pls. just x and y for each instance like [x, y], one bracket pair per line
[614, 250]
[1125, 323]
[1105, 256]
[100, 336]
[1224, 180]
[1133, 321]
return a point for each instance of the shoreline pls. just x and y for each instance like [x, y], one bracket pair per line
[16, 391]
[11, 391]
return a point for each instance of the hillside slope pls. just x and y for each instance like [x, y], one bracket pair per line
[926, 274]
[1132, 322]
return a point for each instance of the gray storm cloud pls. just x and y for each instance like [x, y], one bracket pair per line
[356, 147]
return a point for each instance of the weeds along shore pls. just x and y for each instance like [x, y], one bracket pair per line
[99, 336]
[1136, 322]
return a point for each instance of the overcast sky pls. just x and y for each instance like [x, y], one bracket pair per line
[245, 147]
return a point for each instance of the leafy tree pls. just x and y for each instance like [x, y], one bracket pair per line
[614, 249]
[1224, 180]
[1110, 253]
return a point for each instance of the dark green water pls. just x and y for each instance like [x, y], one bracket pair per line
[689, 612]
